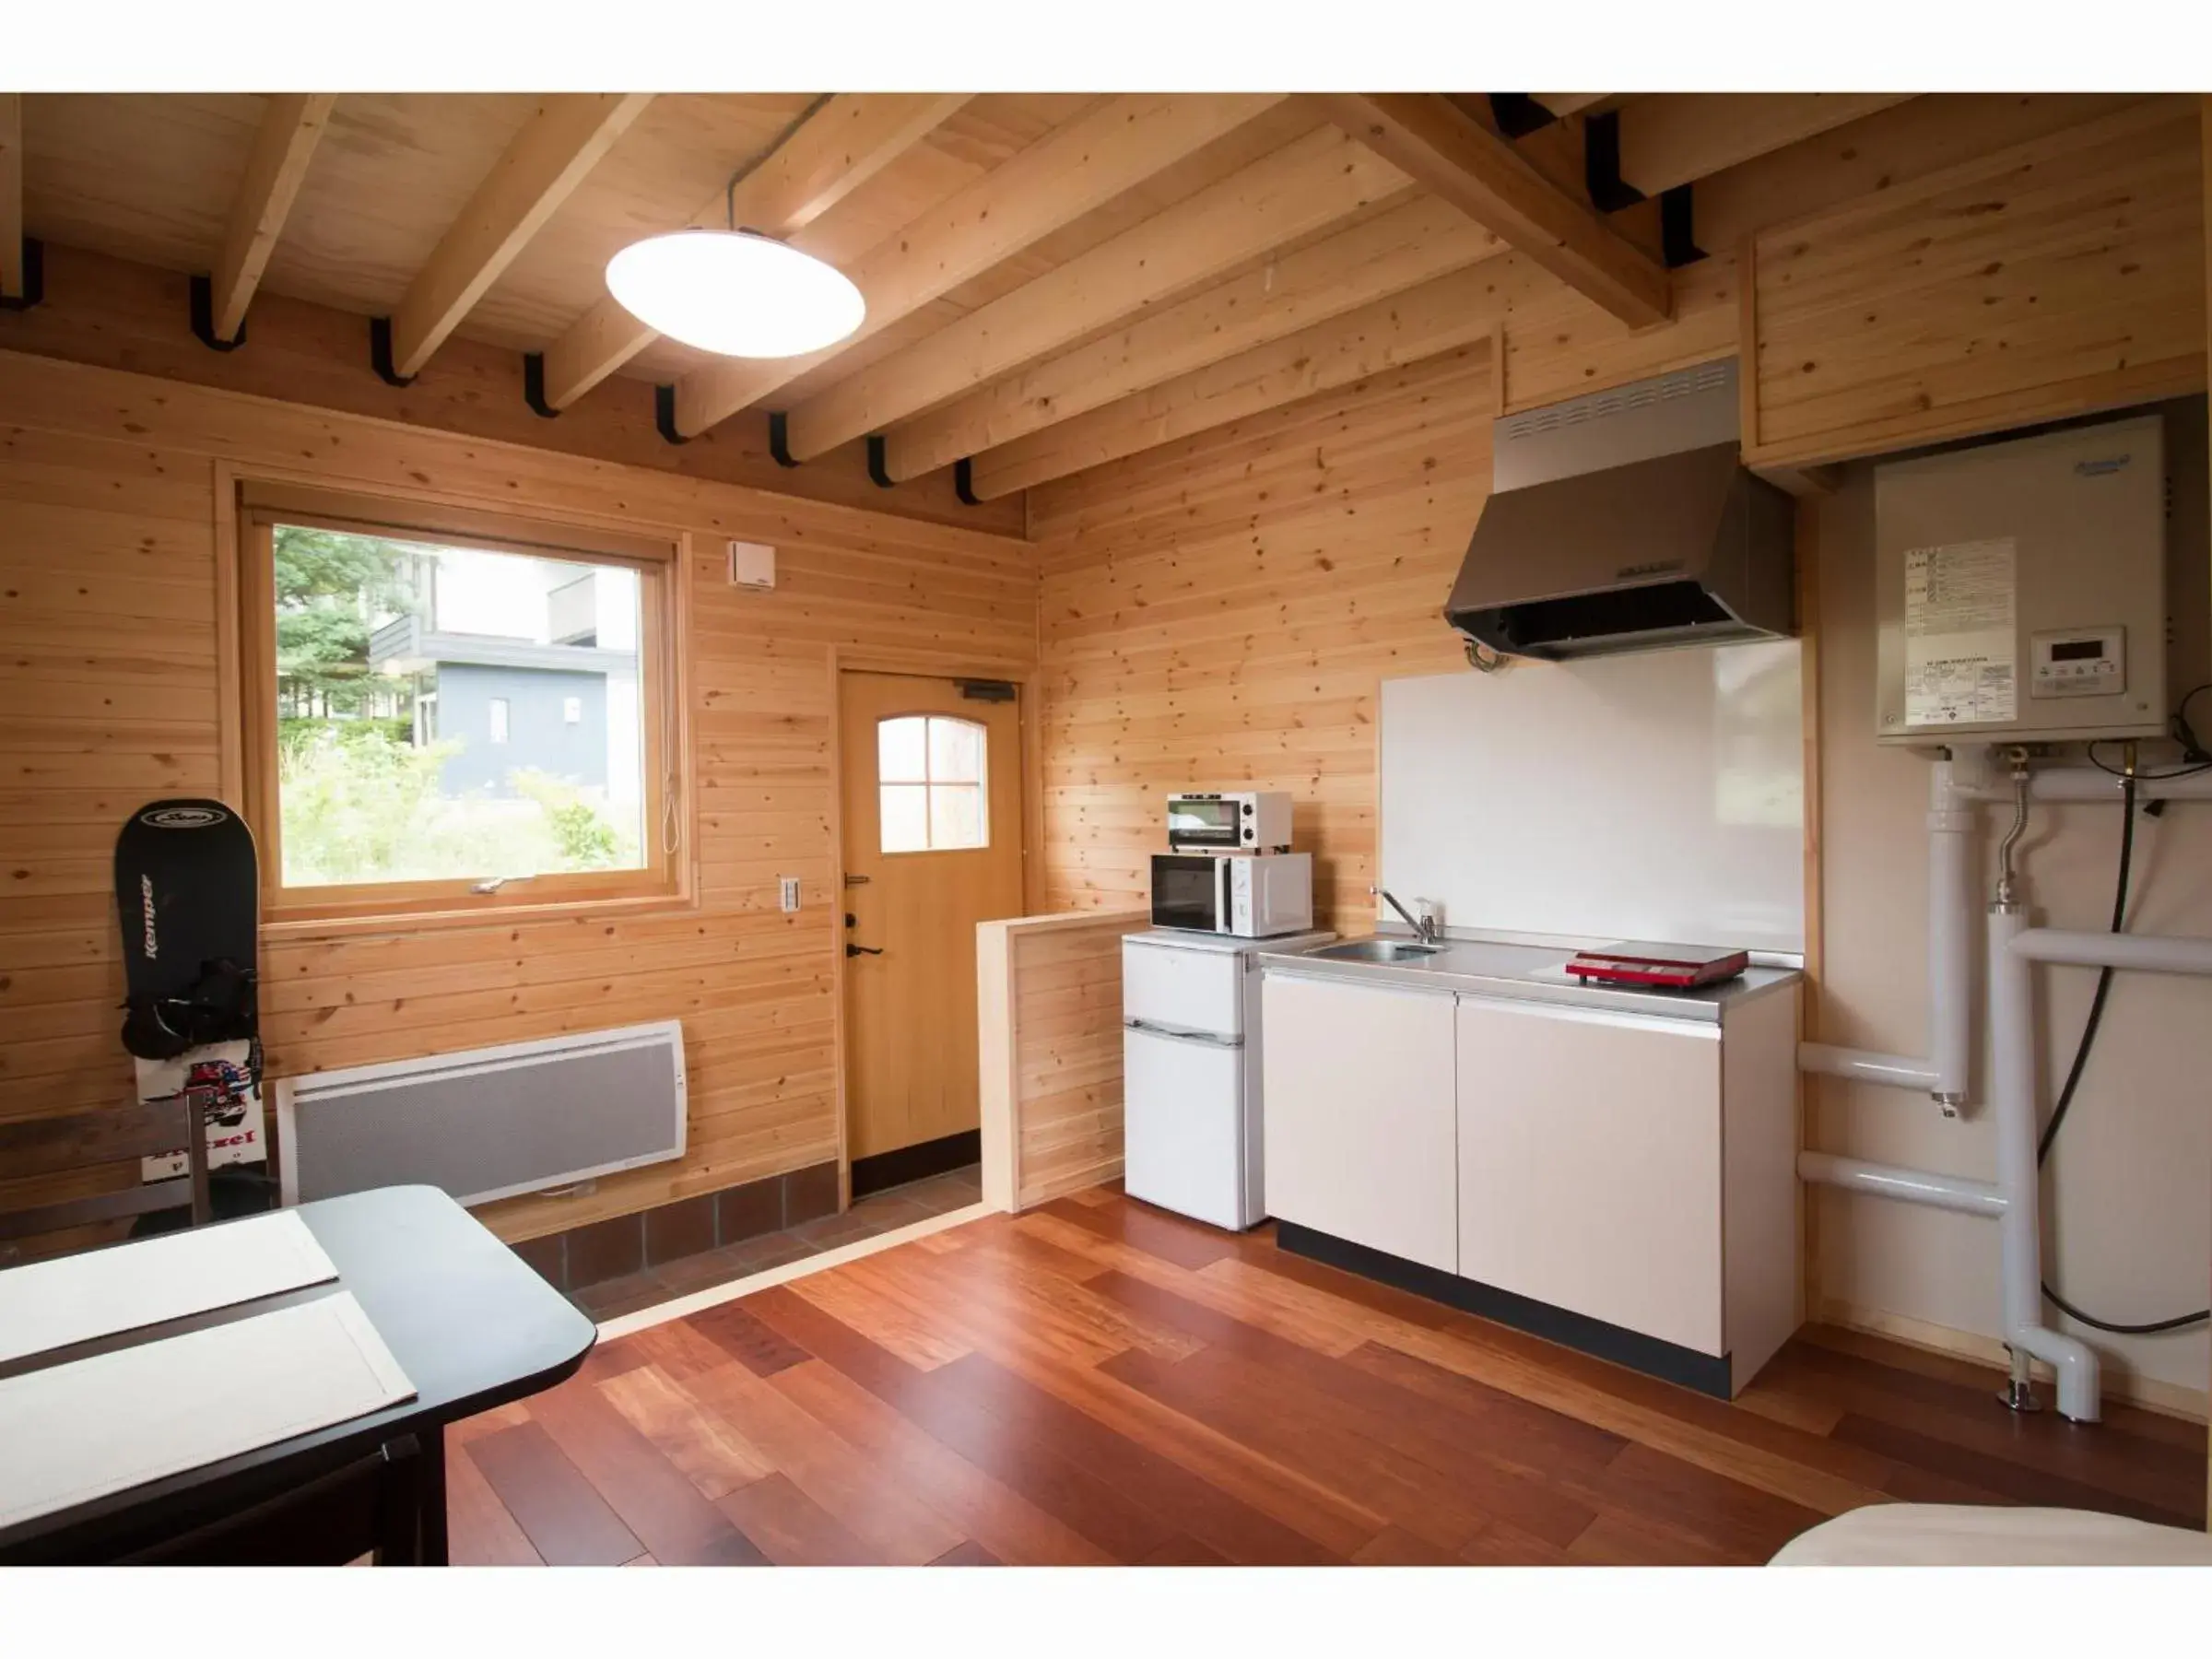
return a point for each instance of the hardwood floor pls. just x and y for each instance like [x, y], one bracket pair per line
[1097, 1382]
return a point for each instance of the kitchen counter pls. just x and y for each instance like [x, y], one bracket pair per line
[1529, 974]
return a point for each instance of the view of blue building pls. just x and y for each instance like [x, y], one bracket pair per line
[512, 703]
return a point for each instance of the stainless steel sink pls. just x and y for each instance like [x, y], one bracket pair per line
[1375, 950]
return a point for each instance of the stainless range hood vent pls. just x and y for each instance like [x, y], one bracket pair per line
[1625, 520]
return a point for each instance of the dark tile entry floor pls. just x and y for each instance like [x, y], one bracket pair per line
[879, 1213]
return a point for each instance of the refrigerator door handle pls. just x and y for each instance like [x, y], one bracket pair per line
[1182, 1034]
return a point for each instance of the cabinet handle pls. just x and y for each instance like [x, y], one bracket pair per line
[1173, 1034]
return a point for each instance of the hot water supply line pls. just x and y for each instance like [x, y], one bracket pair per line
[2013, 1199]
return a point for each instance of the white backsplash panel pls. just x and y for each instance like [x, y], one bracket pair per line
[1657, 795]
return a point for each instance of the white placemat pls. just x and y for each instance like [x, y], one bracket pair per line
[74, 1298]
[74, 1432]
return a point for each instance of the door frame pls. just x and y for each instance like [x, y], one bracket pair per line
[844, 659]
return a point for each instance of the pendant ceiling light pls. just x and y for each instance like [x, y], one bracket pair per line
[735, 293]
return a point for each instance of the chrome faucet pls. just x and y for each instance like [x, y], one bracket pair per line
[1424, 927]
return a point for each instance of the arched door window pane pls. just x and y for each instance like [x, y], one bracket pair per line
[930, 783]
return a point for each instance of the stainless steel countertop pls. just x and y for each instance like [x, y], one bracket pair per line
[1529, 974]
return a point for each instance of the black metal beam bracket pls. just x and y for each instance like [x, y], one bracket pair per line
[1677, 228]
[379, 353]
[534, 385]
[664, 414]
[1609, 192]
[1517, 114]
[876, 467]
[779, 438]
[963, 482]
[34, 277]
[203, 318]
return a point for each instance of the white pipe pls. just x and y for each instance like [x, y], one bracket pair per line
[2092, 784]
[1950, 946]
[2150, 952]
[1899, 1071]
[2012, 1101]
[1945, 1073]
[1914, 1186]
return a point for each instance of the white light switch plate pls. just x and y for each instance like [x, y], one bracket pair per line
[791, 892]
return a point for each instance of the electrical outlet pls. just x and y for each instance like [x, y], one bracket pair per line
[791, 893]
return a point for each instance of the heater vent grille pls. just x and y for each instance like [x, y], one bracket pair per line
[487, 1123]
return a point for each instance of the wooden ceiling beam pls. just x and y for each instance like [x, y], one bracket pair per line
[1115, 146]
[833, 151]
[291, 126]
[11, 195]
[1564, 104]
[1455, 311]
[1423, 238]
[1678, 139]
[1298, 191]
[1462, 160]
[561, 142]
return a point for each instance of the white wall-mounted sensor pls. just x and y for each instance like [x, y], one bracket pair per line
[752, 565]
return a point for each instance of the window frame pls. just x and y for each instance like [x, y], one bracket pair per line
[928, 783]
[665, 881]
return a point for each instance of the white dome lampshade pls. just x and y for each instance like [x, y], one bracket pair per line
[735, 293]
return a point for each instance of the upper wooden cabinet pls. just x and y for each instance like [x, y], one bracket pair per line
[2053, 278]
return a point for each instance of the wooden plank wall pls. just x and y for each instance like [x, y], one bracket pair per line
[1218, 613]
[2055, 277]
[109, 653]
[1050, 998]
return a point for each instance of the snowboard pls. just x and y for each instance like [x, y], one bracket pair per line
[187, 891]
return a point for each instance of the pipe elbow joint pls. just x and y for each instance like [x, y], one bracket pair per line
[2072, 1361]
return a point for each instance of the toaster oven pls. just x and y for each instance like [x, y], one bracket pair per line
[1249, 820]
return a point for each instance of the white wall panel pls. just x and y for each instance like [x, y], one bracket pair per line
[1657, 795]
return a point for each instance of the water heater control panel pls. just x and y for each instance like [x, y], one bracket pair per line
[2078, 662]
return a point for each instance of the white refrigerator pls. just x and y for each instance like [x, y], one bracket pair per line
[1192, 1119]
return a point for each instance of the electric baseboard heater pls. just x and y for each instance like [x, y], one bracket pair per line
[488, 1123]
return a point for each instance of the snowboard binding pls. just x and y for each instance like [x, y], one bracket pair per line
[218, 1007]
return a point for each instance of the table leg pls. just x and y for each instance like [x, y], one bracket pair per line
[435, 1547]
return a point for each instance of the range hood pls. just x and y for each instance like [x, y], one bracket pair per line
[1625, 520]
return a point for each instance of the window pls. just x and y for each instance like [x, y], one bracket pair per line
[929, 783]
[417, 683]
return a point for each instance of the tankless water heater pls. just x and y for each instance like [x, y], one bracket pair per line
[2021, 589]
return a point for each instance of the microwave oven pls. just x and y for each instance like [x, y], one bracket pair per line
[1255, 898]
[1249, 820]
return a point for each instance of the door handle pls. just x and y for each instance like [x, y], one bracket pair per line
[852, 880]
[852, 950]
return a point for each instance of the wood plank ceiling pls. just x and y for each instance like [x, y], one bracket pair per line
[1050, 278]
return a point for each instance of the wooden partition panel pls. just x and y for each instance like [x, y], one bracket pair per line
[1049, 1001]
[112, 551]
[2059, 276]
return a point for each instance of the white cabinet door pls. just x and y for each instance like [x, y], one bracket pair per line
[1590, 1165]
[1360, 1115]
[1183, 988]
[1183, 1119]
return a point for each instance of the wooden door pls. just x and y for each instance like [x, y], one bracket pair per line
[933, 826]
